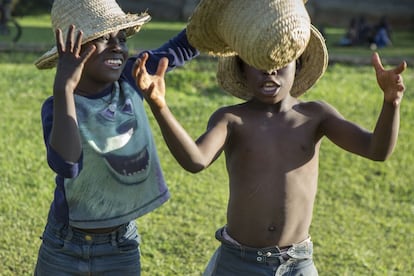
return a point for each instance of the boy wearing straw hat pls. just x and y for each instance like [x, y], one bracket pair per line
[98, 140]
[271, 144]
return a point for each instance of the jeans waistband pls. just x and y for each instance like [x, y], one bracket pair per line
[78, 236]
[273, 254]
[74, 235]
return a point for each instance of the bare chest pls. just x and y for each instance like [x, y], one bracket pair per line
[275, 139]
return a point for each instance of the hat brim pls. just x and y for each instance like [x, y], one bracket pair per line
[314, 61]
[130, 22]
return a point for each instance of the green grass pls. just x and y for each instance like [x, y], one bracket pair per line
[363, 217]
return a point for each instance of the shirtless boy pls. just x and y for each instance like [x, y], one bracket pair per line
[271, 144]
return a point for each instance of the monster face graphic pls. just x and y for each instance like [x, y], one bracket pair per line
[118, 131]
[121, 170]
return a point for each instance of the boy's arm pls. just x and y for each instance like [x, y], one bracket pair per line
[379, 144]
[177, 50]
[55, 161]
[64, 136]
[386, 130]
[192, 156]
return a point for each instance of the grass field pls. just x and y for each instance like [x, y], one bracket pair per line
[363, 217]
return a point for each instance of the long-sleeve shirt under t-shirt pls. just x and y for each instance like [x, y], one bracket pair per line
[118, 177]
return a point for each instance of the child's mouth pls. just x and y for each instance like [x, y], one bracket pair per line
[270, 88]
[114, 63]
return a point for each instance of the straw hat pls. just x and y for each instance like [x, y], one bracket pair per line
[314, 62]
[267, 34]
[94, 17]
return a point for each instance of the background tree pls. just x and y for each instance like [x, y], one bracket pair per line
[30, 7]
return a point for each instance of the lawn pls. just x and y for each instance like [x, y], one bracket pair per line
[363, 217]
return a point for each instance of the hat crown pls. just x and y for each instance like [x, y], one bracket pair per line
[281, 32]
[95, 18]
[266, 34]
[86, 15]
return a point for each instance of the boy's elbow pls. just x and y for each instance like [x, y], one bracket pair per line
[194, 171]
[381, 152]
[193, 167]
[378, 159]
[381, 157]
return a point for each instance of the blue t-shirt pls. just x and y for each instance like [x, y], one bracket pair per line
[118, 177]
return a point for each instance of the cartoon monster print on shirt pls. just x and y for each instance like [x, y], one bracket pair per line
[121, 175]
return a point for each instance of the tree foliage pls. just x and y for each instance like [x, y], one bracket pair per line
[30, 7]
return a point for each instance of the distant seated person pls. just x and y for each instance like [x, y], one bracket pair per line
[5, 14]
[382, 36]
[365, 32]
[351, 36]
[6, 6]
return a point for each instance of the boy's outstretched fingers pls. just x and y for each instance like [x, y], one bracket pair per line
[162, 67]
[390, 81]
[140, 73]
[376, 62]
[151, 86]
[72, 57]
[139, 64]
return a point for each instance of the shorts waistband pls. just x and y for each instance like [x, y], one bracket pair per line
[273, 254]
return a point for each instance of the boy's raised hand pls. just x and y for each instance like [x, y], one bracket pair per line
[152, 86]
[390, 81]
[71, 58]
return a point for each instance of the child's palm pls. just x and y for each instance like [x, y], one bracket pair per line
[152, 86]
[71, 60]
[390, 81]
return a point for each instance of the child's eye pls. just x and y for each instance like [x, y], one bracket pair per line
[122, 36]
[104, 38]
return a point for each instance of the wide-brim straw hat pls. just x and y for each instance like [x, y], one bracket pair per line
[314, 62]
[94, 17]
[266, 34]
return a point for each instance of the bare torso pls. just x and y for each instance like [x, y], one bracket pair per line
[272, 163]
[271, 144]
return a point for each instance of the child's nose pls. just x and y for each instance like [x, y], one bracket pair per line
[271, 72]
[115, 42]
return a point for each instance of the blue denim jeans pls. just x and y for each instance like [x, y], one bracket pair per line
[68, 251]
[232, 259]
